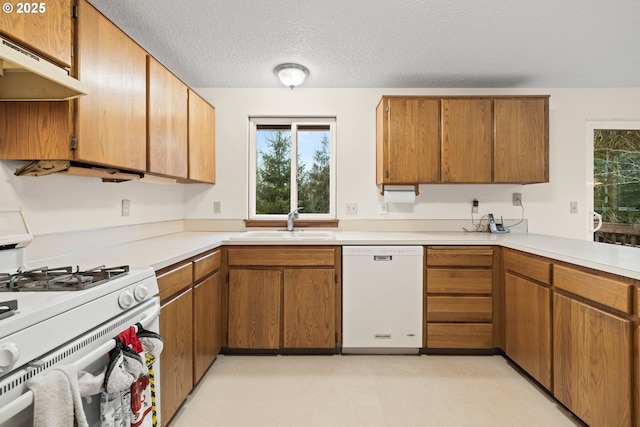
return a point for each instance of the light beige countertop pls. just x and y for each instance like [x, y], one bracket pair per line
[163, 251]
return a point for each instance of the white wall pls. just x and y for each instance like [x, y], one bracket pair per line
[547, 205]
[57, 203]
[65, 203]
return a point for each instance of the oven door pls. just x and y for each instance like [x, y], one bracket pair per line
[89, 353]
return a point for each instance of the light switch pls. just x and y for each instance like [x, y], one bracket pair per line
[126, 204]
[573, 207]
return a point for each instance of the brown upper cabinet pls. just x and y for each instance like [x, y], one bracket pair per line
[202, 140]
[407, 140]
[166, 122]
[521, 140]
[474, 139]
[44, 27]
[466, 140]
[137, 116]
[106, 127]
[111, 120]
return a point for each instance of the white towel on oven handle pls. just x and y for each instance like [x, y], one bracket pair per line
[56, 398]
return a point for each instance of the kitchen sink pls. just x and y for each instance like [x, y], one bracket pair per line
[285, 235]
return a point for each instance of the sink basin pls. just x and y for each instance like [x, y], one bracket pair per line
[285, 235]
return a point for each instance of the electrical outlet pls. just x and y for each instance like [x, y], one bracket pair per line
[573, 207]
[217, 207]
[352, 208]
[517, 199]
[474, 206]
[383, 208]
[126, 205]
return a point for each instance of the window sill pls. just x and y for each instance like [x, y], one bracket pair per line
[300, 223]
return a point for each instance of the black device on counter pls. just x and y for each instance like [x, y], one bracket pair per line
[496, 227]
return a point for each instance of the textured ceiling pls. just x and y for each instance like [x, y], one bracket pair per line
[387, 43]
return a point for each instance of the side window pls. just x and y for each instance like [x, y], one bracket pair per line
[292, 164]
[616, 191]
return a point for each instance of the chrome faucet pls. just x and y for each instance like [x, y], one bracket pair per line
[293, 215]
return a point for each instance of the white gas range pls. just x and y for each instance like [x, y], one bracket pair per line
[52, 326]
[45, 319]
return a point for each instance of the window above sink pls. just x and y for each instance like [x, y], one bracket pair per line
[291, 165]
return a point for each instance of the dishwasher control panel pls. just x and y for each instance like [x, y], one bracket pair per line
[382, 250]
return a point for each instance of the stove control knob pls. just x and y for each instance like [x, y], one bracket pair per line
[140, 292]
[125, 299]
[9, 354]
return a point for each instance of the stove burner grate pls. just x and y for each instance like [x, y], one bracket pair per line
[59, 279]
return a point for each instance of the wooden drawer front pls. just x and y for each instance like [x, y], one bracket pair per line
[611, 293]
[463, 256]
[174, 281]
[524, 265]
[206, 265]
[460, 335]
[459, 309]
[289, 256]
[459, 281]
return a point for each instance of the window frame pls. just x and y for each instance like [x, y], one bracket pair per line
[294, 123]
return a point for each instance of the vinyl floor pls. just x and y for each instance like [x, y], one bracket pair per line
[372, 391]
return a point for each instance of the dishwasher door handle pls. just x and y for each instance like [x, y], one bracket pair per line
[383, 258]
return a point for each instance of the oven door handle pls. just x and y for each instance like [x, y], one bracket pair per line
[26, 399]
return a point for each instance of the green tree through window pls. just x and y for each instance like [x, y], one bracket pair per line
[273, 174]
[313, 184]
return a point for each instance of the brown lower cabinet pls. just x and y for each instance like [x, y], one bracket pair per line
[176, 360]
[283, 298]
[309, 308]
[572, 329]
[459, 297]
[528, 327]
[254, 308]
[190, 326]
[593, 345]
[592, 363]
[207, 319]
[528, 314]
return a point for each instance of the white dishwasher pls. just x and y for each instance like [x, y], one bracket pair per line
[382, 299]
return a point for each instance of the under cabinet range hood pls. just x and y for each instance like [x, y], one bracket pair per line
[48, 167]
[107, 174]
[28, 77]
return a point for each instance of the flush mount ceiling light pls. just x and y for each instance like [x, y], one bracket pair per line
[291, 75]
